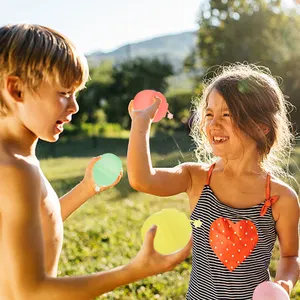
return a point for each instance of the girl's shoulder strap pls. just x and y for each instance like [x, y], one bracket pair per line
[269, 200]
[209, 174]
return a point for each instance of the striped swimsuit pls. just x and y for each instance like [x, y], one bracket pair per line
[232, 248]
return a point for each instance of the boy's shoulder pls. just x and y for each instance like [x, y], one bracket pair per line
[18, 178]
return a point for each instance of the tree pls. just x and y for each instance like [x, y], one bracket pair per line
[129, 78]
[253, 31]
[95, 95]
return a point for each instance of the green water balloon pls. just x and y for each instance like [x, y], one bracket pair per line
[107, 169]
[173, 230]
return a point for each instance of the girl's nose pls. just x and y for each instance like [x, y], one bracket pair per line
[215, 123]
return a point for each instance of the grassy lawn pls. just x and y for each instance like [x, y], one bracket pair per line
[105, 231]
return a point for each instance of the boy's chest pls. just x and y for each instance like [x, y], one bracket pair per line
[52, 226]
[50, 210]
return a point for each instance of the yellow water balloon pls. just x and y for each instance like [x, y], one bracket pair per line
[173, 230]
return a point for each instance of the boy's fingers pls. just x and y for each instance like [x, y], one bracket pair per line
[183, 253]
[94, 160]
[149, 238]
[119, 178]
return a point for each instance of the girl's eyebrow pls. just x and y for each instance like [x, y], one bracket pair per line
[223, 109]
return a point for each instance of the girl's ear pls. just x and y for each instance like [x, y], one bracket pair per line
[15, 88]
[264, 128]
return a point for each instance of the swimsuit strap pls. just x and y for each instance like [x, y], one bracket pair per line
[209, 174]
[269, 200]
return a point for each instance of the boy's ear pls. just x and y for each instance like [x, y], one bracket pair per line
[15, 88]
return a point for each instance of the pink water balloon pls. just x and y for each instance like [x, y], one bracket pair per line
[270, 291]
[145, 98]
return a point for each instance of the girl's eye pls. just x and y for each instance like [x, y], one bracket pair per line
[209, 115]
[226, 115]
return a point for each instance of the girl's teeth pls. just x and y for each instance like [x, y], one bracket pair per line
[219, 139]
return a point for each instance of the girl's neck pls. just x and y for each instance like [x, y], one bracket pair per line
[241, 166]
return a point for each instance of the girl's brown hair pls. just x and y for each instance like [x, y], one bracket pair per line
[255, 101]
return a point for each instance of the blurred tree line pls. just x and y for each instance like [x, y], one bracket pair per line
[254, 31]
[261, 32]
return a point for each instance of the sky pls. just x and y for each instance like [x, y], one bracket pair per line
[105, 25]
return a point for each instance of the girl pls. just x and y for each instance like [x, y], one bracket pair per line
[241, 130]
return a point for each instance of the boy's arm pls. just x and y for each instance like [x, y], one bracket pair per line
[142, 176]
[287, 228]
[82, 191]
[74, 199]
[22, 241]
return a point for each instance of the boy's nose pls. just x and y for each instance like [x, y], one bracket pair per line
[73, 105]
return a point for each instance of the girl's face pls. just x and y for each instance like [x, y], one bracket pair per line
[224, 137]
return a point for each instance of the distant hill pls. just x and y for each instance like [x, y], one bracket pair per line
[174, 48]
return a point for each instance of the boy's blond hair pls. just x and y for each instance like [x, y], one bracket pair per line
[36, 54]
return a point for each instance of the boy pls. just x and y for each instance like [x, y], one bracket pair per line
[40, 72]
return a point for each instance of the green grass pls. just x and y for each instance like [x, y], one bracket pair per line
[105, 231]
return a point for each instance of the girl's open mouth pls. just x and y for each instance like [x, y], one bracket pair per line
[220, 139]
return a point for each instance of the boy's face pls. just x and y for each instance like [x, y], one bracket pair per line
[224, 137]
[45, 111]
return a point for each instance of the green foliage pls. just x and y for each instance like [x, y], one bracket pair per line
[178, 102]
[241, 30]
[95, 96]
[131, 77]
[259, 32]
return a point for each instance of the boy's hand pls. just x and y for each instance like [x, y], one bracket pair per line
[89, 182]
[147, 113]
[149, 262]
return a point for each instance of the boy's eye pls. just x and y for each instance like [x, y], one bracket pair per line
[67, 95]
[208, 115]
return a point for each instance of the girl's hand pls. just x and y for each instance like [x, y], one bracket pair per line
[147, 113]
[149, 262]
[88, 180]
[288, 286]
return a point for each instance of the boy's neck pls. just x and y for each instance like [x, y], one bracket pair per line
[15, 139]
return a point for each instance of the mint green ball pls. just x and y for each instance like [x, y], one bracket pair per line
[107, 169]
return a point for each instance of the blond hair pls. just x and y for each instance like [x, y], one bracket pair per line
[254, 99]
[35, 54]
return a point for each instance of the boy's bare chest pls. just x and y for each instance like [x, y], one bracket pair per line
[52, 227]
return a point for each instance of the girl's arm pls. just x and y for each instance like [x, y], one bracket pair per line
[142, 176]
[287, 229]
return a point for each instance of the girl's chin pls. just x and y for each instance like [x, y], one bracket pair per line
[220, 152]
